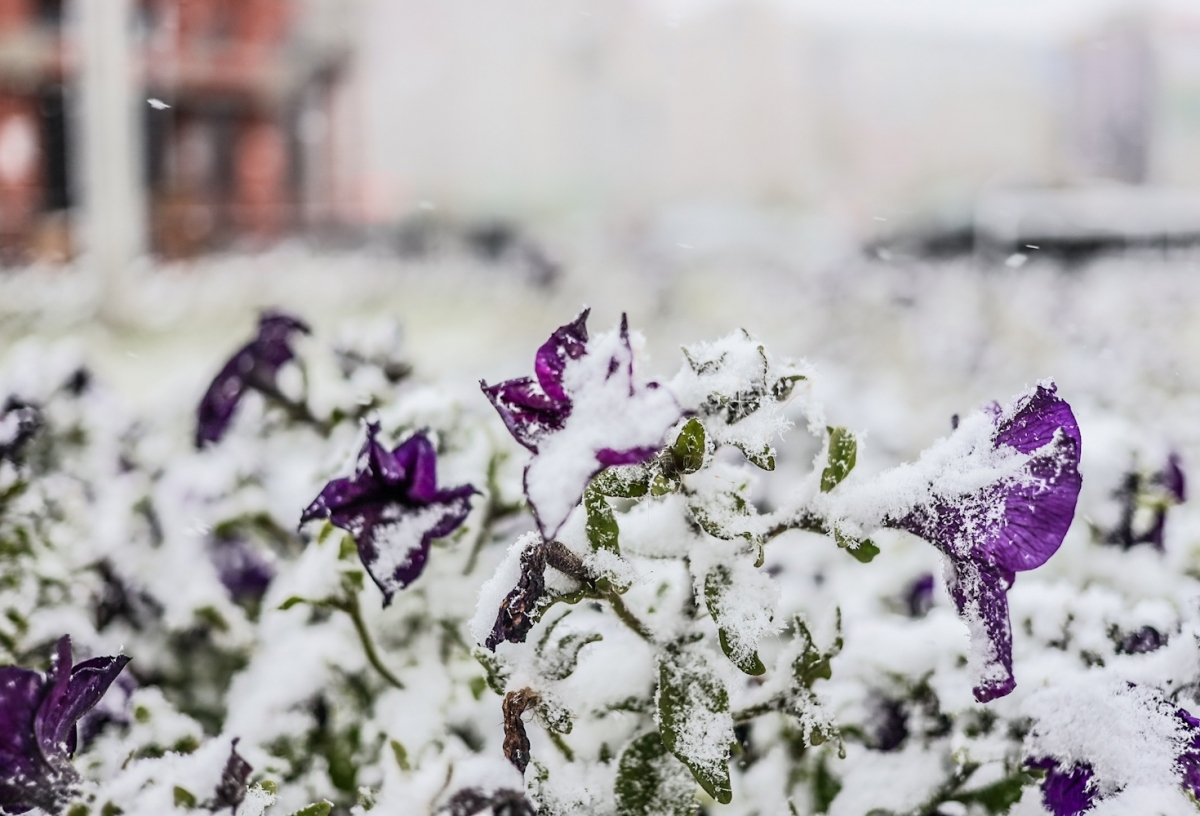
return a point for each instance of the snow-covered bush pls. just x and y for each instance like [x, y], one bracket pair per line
[347, 588]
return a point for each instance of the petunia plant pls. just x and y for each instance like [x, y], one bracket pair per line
[591, 589]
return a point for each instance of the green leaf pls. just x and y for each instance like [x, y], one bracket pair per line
[625, 482]
[497, 673]
[694, 719]
[401, 755]
[782, 389]
[689, 448]
[825, 788]
[864, 550]
[601, 526]
[764, 458]
[843, 452]
[660, 485]
[717, 585]
[184, 798]
[652, 782]
[318, 809]
[559, 663]
[295, 600]
[998, 797]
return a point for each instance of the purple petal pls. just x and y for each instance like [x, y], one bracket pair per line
[418, 458]
[1039, 510]
[1141, 641]
[231, 790]
[393, 509]
[242, 569]
[1066, 793]
[221, 399]
[38, 717]
[74, 693]
[608, 457]
[980, 593]
[919, 598]
[394, 543]
[1172, 479]
[255, 365]
[528, 414]
[1188, 762]
[568, 342]
[22, 767]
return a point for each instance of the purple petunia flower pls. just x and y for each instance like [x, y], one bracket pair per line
[393, 508]
[1066, 793]
[254, 367]
[242, 569]
[580, 414]
[1077, 789]
[1008, 514]
[38, 713]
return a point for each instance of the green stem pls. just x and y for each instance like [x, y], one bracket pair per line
[351, 608]
[804, 521]
[495, 512]
[297, 410]
[765, 707]
[629, 619]
[561, 745]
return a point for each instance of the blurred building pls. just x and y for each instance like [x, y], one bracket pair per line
[240, 150]
[234, 99]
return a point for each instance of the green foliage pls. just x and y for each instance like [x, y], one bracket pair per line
[625, 482]
[694, 719]
[843, 453]
[825, 787]
[601, 525]
[652, 782]
[689, 448]
[184, 798]
[318, 809]
[717, 586]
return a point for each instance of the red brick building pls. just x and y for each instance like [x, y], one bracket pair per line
[229, 84]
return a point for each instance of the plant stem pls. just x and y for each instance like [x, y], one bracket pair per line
[351, 608]
[751, 712]
[561, 745]
[628, 618]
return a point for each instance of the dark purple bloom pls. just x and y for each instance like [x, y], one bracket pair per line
[393, 508]
[244, 571]
[38, 713]
[231, 790]
[1066, 793]
[254, 367]
[1013, 524]
[532, 409]
[918, 599]
[1141, 641]
[1171, 479]
[19, 423]
[1188, 763]
[1171, 487]
[581, 413]
[888, 727]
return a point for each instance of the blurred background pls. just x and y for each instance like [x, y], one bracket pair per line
[953, 198]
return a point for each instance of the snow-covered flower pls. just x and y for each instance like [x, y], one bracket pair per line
[393, 508]
[1002, 508]
[581, 414]
[1066, 792]
[1076, 785]
[38, 735]
[254, 367]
